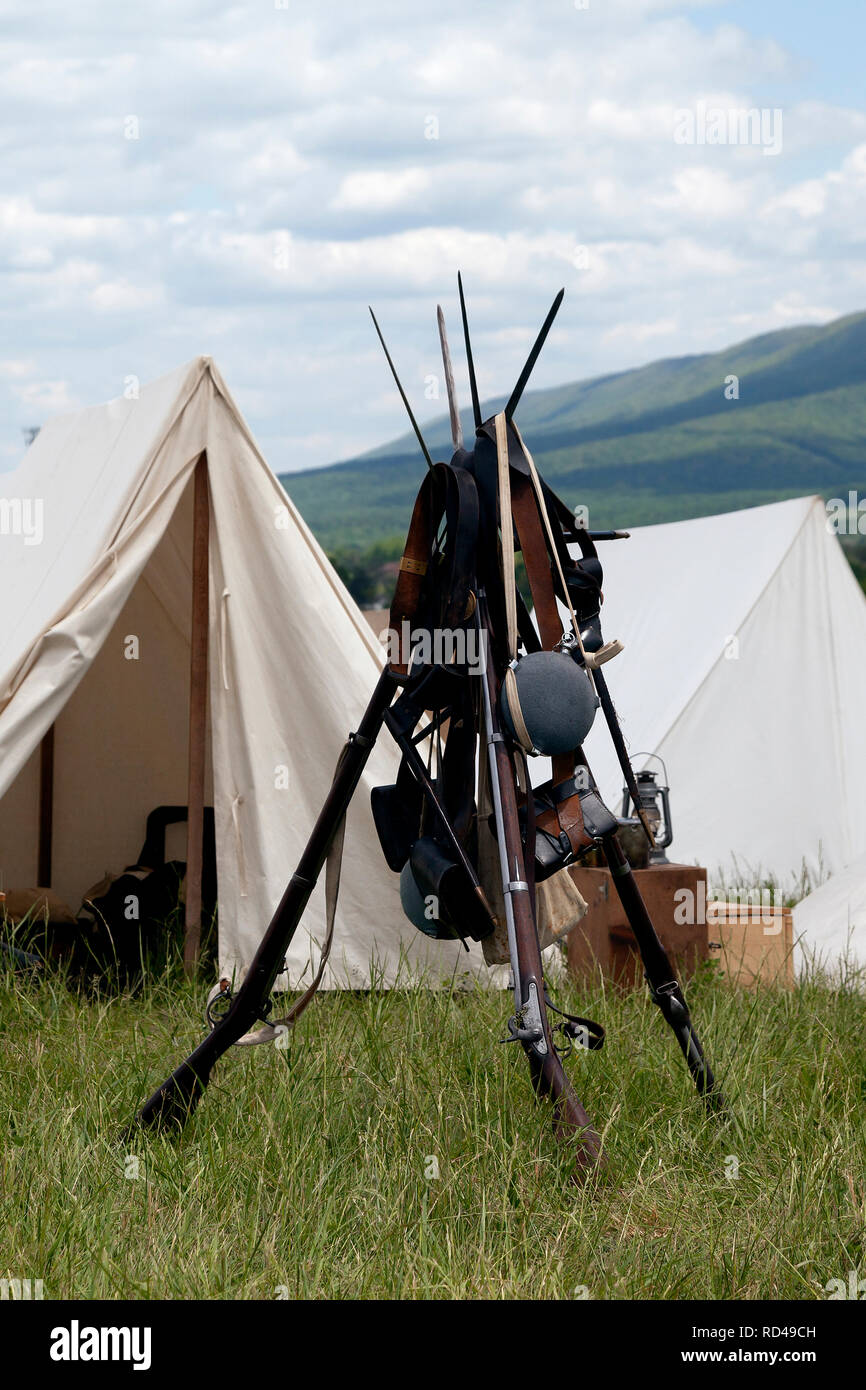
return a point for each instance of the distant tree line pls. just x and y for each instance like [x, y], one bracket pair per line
[369, 572]
[855, 550]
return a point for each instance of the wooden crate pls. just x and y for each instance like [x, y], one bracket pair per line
[603, 940]
[753, 945]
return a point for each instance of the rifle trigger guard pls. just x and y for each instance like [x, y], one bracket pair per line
[526, 1026]
[517, 1033]
[219, 1001]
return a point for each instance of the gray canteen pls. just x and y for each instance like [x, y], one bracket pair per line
[557, 702]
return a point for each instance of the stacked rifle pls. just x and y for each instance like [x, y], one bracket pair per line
[476, 687]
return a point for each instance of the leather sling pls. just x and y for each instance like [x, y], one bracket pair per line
[450, 493]
[553, 816]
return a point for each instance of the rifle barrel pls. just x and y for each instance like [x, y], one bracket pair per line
[570, 1120]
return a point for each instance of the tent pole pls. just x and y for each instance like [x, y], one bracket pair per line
[46, 808]
[197, 715]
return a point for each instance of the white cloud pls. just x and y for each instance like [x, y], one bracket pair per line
[625, 122]
[380, 190]
[807, 199]
[120, 295]
[794, 307]
[641, 332]
[16, 368]
[50, 397]
[282, 178]
[707, 194]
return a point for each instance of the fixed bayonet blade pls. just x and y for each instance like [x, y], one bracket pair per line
[424, 450]
[453, 409]
[533, 357]
[473, 384]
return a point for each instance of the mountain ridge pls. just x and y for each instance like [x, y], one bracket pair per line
[658, 442]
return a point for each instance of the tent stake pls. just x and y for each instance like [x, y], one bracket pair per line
[46, 808]
[197, 716]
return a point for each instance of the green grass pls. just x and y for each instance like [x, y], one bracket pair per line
[302, 1173]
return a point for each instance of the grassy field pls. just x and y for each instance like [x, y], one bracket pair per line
[311, 1172]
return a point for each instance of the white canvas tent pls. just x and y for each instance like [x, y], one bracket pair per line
[830, 924]
[290, 666]
[745, 668]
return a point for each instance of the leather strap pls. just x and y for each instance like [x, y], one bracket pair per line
[536, 558]
[551, 536]
[448, 492]
[521, 499]
[578, 1030]
[500, 425]
[509, 582]
[537, 561]
[413, 566]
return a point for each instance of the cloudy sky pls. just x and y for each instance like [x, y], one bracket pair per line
[184, 177]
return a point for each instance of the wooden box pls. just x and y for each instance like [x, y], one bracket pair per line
[752, 944]
[675, 895]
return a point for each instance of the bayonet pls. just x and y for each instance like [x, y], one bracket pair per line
[473, 384]
[453, 409]
[533, 357]
[424, 450]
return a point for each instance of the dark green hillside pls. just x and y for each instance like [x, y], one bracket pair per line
[658, 443]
